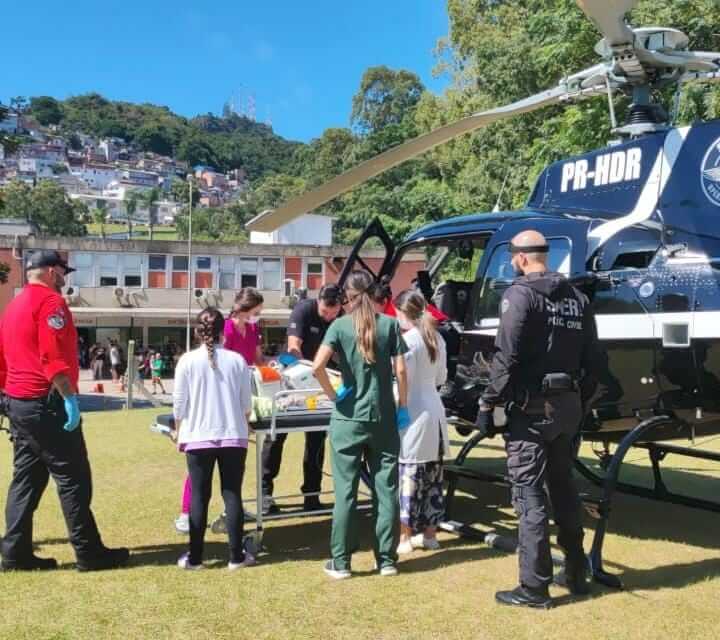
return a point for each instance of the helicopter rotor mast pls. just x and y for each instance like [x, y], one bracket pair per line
[636, 61]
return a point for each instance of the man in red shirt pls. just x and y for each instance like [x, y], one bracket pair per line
[39, 375]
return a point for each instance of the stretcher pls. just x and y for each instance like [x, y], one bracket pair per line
[281, 420]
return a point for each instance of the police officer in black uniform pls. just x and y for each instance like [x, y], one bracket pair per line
[547, 356]
[309, 321]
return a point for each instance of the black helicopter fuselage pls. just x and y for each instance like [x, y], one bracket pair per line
[637, 225]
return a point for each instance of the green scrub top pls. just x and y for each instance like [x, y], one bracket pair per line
[372, 397]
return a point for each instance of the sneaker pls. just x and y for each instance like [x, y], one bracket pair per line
[269, 506]
[405, 547]
[249, 561]
[33, 563]
[522, 596]
[419, 541]
[105, 559]
[337, 574]
[184, 563]
[388, 570]
[182, 523]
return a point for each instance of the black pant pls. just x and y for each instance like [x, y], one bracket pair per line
[41, 447]
[540, 453]
[312, 461]
[200, 463]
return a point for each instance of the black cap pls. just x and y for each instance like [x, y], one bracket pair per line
[40, 259]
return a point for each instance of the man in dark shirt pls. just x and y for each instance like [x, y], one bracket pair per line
[544, 370]
[309, 321]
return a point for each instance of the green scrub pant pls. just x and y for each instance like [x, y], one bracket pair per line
[380, 443]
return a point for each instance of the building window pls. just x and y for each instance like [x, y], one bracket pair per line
[83, 276]
[272, 274]
[133, 270]
[248, 272]
[314, 275]
[203, 272]
[108, 266]
[227, 272]
[179, 272]
[156, 271]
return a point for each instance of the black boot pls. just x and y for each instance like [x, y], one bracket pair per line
[33, 563]
[574, 577]
[522, 596]
[313, 503]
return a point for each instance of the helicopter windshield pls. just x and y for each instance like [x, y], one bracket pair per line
[500, 274]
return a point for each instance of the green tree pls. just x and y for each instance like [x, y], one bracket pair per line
[384, 97]
[132, 199]
[46, 110]
[99, 216]
[7, 142]
[150, 200]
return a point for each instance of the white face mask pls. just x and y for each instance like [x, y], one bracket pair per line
[252, 319]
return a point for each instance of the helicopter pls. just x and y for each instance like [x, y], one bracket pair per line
[634, 225]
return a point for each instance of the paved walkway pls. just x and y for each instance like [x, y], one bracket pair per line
[113, 398]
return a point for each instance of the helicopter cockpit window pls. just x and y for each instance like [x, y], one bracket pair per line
[500, 274]
[452, 275]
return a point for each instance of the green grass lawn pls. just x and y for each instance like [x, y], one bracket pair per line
[667, 557]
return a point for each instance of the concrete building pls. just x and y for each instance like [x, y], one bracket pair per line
[142, 290]
[310, 229]
[97, 175]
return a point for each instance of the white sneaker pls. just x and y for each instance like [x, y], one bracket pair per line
[249, 561]
[388, 570]
[337, 574]
[184, 563]
[405, 547]
[419, 541]
[182, 523]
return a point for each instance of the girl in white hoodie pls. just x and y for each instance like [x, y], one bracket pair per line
[425, 441]
[211, 402]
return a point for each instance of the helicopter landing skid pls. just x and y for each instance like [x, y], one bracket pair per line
[609, 483]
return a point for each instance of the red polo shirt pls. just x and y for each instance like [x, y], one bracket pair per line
[38, 341]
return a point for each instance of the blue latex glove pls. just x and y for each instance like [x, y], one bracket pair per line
[402, 417]
[342, 393]
[287, 359]
[72, 409]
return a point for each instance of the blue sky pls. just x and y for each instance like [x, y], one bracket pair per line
[302, 61]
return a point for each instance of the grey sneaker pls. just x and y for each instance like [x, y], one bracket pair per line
[333, 572]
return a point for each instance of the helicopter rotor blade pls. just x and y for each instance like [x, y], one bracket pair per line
[608, 17]
[272, 219]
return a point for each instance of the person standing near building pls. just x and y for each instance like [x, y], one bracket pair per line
[308, 324]
[546, 359]
[424, 443]
[157, 366]
[365, 422]
[211, 403]
[39, 375]
[115, 361]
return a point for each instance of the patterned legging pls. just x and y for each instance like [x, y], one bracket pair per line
[421, 495]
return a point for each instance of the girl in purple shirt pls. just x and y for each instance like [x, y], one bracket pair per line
[242, 333]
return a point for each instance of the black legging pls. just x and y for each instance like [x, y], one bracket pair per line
[231, 461]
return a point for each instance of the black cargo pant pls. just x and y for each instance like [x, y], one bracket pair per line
[540, 454]
[41, 447]
[312, 461]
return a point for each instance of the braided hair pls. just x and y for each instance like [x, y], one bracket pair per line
[210, 324]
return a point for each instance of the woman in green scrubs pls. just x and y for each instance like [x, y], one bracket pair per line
[365, 421]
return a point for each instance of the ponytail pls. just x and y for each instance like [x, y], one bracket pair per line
[413, 305]
[363, 313]
[210, 327]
